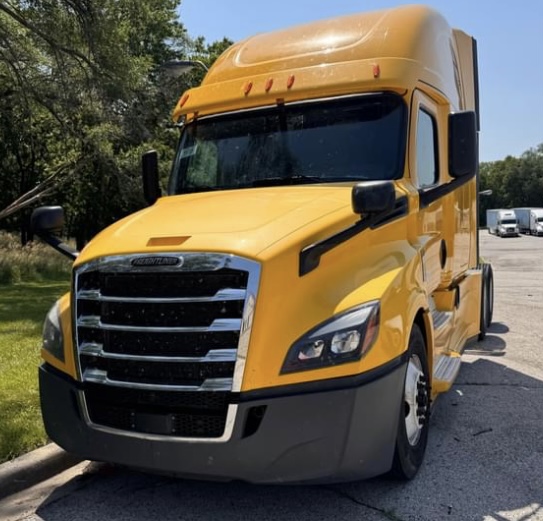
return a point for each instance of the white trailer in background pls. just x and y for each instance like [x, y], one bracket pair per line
[502, 223]
[530, 220]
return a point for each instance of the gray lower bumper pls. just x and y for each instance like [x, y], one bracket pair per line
[335, 435]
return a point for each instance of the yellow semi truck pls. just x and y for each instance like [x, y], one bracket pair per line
[293, 306]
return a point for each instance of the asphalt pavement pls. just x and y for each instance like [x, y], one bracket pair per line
[484, 459]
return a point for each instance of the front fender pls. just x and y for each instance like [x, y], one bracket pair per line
[289, 306]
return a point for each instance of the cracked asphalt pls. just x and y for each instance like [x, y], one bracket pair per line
[484, 459]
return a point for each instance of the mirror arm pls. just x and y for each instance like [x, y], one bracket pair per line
[370, 218]
[57, 244]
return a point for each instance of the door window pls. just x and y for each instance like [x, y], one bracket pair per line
[427, 170]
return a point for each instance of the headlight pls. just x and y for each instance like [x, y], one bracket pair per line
[344, 338]
[52, 333]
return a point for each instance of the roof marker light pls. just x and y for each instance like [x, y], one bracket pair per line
[290, 81]
[247, 88]
[376, 70]
[269, 84]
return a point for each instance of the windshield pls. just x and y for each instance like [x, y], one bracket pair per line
[348, 139]
[509, 221]
[540, 219]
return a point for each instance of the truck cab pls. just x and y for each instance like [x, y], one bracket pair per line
[536, 222]
[503, 223]
[292, 307]
[530, 220]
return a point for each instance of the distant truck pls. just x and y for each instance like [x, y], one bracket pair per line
[502, 223]
[530, 220]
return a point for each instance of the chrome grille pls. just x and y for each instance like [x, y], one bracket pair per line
[179, 330]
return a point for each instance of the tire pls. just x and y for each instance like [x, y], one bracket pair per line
[487, 301]
[490, 296]
[413, 424]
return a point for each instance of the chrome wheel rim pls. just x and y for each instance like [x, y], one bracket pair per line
[415, 400]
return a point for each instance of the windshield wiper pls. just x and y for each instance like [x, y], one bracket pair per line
[290, 180]
[304, 179]
[276, 181]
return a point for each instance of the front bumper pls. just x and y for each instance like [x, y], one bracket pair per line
[344, 433]
[509, 233]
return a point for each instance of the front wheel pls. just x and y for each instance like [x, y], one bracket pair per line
[412, 435]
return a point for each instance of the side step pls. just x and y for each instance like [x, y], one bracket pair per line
[445, 371]
[443, 323]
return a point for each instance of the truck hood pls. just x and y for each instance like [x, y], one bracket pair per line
[244, 222]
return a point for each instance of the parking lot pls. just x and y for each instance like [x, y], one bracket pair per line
[484, 459]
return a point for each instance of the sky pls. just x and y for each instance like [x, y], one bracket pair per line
[509, 38]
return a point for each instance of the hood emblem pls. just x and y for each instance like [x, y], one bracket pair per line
[157, 261]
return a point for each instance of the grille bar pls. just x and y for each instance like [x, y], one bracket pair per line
[97, 376]
[221, 295]
[166, 344]
[219, 324]
[214, 355]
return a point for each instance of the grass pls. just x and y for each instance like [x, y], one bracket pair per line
[33, 262]
[23, 307]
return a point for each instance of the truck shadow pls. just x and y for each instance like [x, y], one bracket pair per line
[484, 446]
[498, 328]
[492, 345]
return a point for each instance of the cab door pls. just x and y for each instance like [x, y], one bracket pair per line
[425, 154]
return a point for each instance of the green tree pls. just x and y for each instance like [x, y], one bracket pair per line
[515, 181]
[81, 97]
[79, 89]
